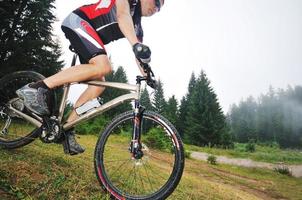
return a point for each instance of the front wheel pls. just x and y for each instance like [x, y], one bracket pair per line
[153, 175]
[15, 131]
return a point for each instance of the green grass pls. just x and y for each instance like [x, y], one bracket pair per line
[263, 153]
[41, 171]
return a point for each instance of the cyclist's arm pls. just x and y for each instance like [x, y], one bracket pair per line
[125, 22]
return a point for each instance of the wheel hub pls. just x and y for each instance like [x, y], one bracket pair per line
[142, 156]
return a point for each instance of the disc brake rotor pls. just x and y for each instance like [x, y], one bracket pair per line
[147, 154]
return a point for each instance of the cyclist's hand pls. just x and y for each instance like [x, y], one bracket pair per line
[142, 53]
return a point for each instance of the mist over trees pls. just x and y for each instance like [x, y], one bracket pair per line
[275, 117]
[26, 38]
[27, 43]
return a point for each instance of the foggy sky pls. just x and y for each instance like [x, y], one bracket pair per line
[243, 45]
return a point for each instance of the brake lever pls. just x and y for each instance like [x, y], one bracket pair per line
[150, 75]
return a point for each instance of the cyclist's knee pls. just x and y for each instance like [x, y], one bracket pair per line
[107, 69]
[101, 65]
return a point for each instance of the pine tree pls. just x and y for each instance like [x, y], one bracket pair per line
[180, 124]
[276, 118]
[183, 108]
[159, 102]
[244, 120]
[145, 99]
[191, 86]
[172, 110]
[26, 38]
[205, 121]
[110, 93]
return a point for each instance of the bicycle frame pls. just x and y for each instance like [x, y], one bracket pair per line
[134, 94]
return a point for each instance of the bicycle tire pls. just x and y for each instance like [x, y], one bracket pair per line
[115, 189]
[8, 85]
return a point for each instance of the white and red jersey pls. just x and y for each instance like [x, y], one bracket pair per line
[102, 16]
[102, 7]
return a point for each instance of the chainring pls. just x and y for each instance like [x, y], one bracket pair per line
[51, 130]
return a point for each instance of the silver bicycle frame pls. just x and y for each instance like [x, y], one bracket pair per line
[134, 94]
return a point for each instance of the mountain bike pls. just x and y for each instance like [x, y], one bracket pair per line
[139, 155]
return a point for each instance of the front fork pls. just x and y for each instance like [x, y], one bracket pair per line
[136, 145]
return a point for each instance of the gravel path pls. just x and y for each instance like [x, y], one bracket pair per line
[295, 169]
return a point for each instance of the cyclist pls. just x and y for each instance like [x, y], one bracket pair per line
[88, 29]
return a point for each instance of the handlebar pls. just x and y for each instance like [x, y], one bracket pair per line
[150, 78]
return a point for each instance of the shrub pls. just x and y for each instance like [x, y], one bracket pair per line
[93, 126]
[187, 154]
[240, 147]
[283, 169]
[212, 159]
[250, 146]
[157, 138]
[271, 144]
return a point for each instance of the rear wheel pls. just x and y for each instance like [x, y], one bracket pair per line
[15, 131]
[155, 173]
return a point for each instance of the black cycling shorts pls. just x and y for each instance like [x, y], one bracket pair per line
[83, 37]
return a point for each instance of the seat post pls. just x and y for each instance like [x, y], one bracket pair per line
[75, 55]
[74, 59]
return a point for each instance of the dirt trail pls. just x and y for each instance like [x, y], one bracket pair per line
[295, 169]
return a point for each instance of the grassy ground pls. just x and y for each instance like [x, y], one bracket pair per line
[262, 153]
[40, 171]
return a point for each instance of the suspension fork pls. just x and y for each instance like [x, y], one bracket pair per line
[136, 146]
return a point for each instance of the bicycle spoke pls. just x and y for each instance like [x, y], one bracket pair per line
[160, 159]
[148, 178]
[118, 160]
[127, 179]
[140, 178]
[118, 167]
[154, 172]
[142, 182]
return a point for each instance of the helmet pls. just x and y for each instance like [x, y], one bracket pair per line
[158, 4]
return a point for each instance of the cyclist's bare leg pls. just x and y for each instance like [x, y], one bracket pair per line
[71, 146]
[98, 67]
[90, 93]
